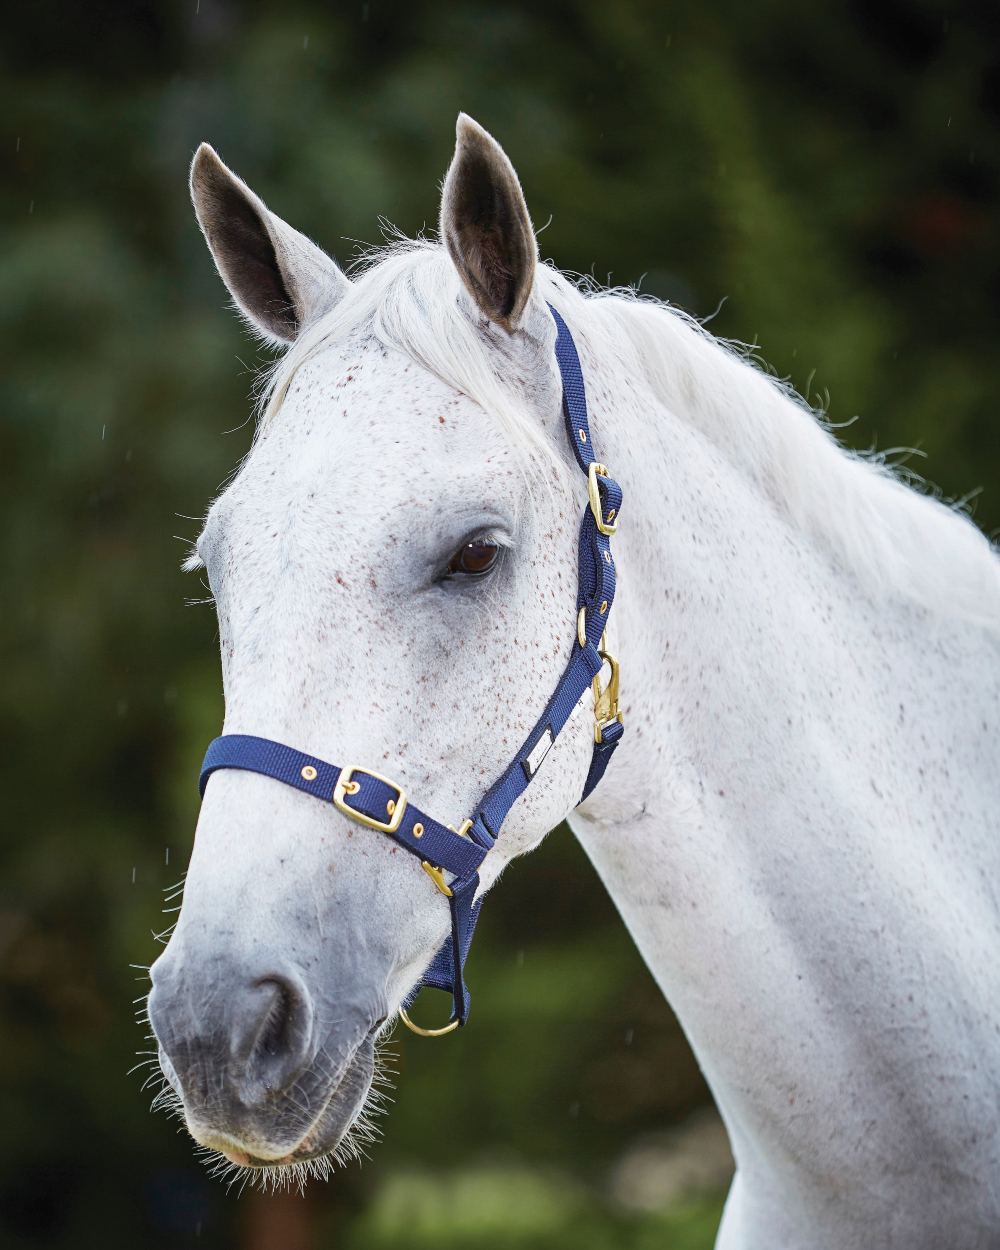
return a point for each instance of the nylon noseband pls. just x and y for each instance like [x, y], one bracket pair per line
[378, 803]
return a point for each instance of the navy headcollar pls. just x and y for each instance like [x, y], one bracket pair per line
[380, 804]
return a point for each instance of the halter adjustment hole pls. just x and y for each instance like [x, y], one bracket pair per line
[309, 773]
[418, 830]
[351, 787]
[390, 807]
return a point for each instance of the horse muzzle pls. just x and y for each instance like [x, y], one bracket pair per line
[257, 1079]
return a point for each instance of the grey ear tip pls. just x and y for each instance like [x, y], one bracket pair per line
[467, 129]
[204, 161]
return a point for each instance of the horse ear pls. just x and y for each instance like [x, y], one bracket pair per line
[279, 279]
[486, 227]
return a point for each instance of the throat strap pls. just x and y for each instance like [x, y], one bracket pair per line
[378, 803]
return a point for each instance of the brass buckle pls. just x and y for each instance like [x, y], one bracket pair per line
[606, 700]
[396, 809]
[593, 473]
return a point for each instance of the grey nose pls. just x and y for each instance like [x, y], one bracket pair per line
[247, 1038]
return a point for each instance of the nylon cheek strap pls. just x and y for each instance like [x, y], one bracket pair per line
[379, 804]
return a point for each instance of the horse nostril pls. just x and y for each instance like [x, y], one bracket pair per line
[275, 1038]
[235, 1035]
[277, 1028]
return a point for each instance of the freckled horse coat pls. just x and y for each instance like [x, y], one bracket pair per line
[800, 828]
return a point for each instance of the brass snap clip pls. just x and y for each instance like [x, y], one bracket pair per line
[606, 700]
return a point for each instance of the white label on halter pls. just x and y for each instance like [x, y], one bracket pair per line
[533, 761]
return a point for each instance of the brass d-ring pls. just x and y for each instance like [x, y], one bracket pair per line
[450, 1027]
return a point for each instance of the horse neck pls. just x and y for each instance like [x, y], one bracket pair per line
[790, 844]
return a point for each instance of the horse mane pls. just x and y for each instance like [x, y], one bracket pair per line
[872, 518]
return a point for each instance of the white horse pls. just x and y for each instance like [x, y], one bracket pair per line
[801, 826]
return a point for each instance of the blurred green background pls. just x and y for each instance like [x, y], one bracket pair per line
[824, 177]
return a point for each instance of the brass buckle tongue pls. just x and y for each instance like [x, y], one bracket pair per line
[605, 701]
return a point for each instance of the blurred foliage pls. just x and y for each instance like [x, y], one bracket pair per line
[829, 175]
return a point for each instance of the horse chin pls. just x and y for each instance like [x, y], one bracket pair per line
[327, 1138]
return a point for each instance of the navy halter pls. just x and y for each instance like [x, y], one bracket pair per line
[380, 804]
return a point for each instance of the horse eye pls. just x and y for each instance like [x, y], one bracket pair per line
[475, 559]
